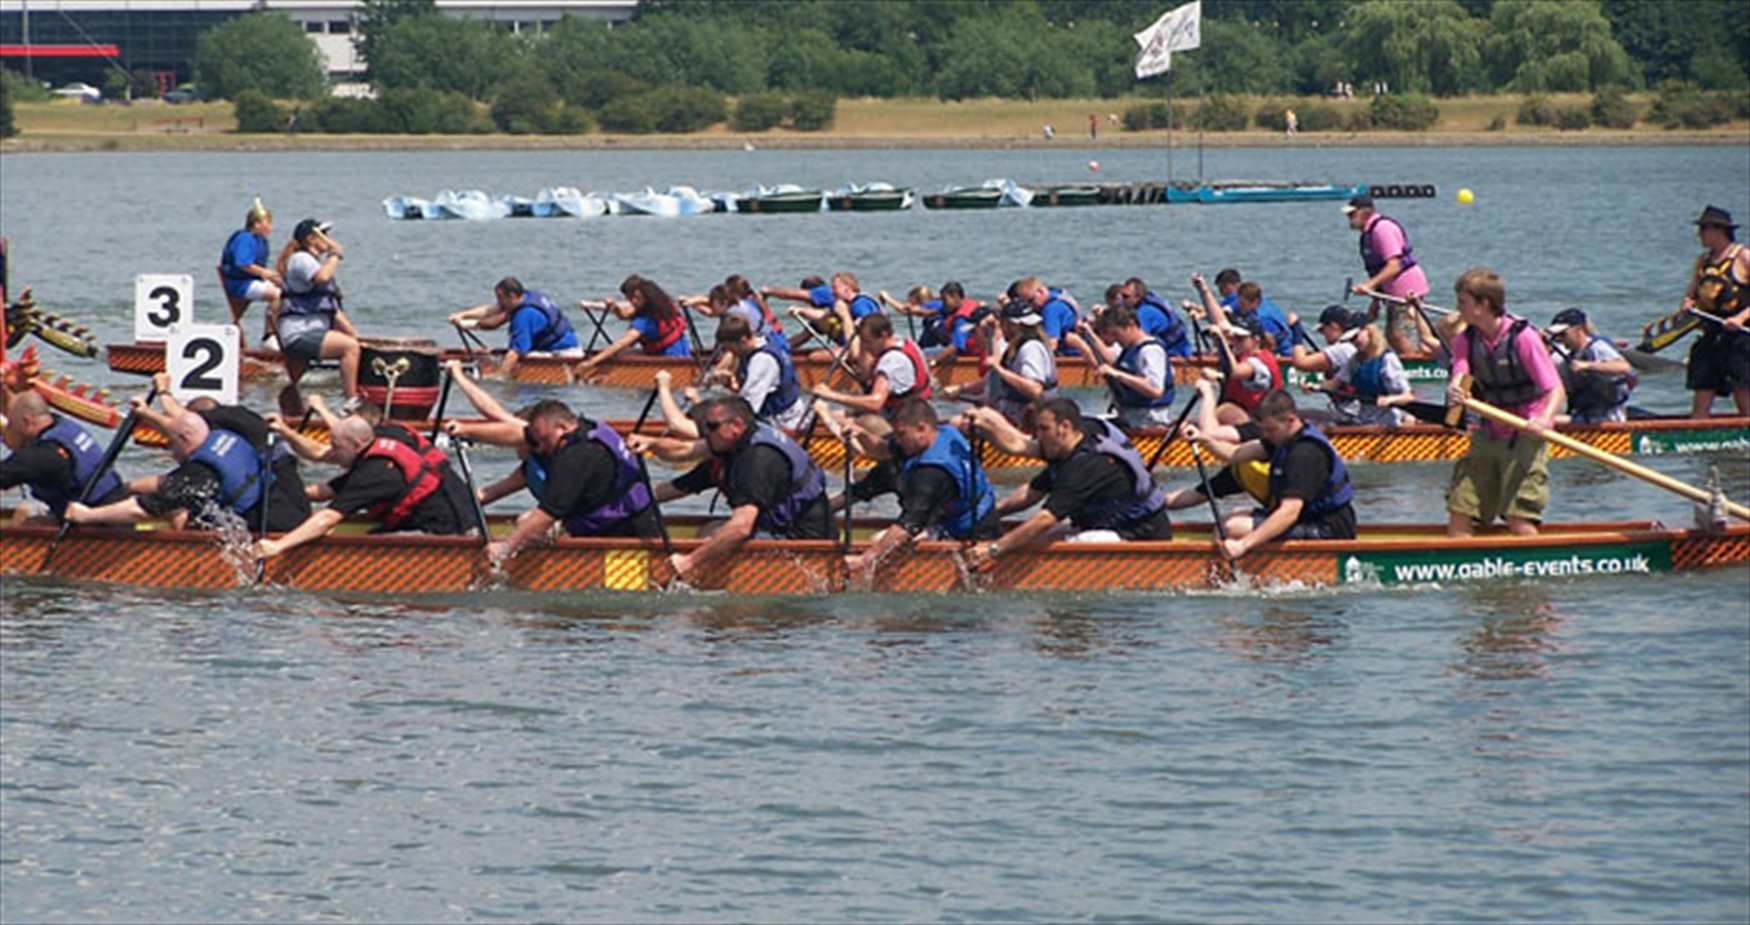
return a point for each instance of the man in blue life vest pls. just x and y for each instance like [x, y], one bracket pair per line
[942, 489]
[772, 486]
[1249, 305]
[1596, 376]
[1309, 494]
[581, 476]
[1157, 318]
[537, 324]
[765, 377]
[52, 456]
[245, 269]
[832, 308]
[1136, 366]
[393, 476]
[1058, 314]
[1094, 480]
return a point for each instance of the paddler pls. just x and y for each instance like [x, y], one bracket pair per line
[1364, 378]
[537, 324]
[1058, 313]
[1250, 371]
[1157, 318]
[657, 327]
[53, 456]
[1308, 492]
[772, 486]
[1391, 268]
[310, 323]
[1018, 366]
[393, 476]
[245, 270]
[1598, 379]
[1719, 361]
[833, 308]
[1137, 367]
[1095, 486]
[897, 368]
[1505, 474]
[943, 492]
[1249, 305]
[765, 377]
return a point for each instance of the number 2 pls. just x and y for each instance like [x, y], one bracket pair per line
[170, 301]
[197, 379]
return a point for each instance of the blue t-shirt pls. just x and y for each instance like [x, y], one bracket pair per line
[960, 333]
[1058, 318]
[821, 296]
[527, 323]
[647, 329]
[1276, 325]
[245, 248]
[862, 307]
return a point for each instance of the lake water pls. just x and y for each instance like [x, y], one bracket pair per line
[1552, 751]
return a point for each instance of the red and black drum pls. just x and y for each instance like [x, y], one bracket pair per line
[400, 374]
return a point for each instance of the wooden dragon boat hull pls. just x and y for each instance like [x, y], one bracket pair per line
[416, 564]
[639, 372]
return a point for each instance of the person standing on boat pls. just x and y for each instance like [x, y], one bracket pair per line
[1505, 474]
[657, 327]
[1597, 378]
[53, 456]
[1096, 487]
[393, 476]
[1364, 379]
[897, 368]
[1019, 368]
[310, 322]
[537, 324]
[1391, 268]
[772, 486]
[244, 269]
[1157, 318]
[943, 492]
[1136, 367]
[1719, 361]
[1308, 495]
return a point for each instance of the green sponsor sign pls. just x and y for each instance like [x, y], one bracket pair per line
[1709, 440]
[1415, 370]
[1450, 565]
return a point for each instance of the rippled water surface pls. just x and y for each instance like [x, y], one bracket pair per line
[1557, 751]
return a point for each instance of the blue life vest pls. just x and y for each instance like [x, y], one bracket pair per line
[807, 482]
[319, 299]
[1171, 332]
[631, 496]
[1367, 379]
[231, 269]
[1145, 499]
[82, 449]
[1374, 261]
[935, 325]
[952, 454]
[1594, 395]
[238, 466]
[1336, 493]
[780, 399]
[554, 327]
[1497, 375]
[1130, 361]
[534, 468]
[862, 306]
[1055, 296]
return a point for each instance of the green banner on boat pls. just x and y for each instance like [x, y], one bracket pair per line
[1711, 440]
[1450, 565]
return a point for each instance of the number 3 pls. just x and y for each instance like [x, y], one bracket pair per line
[170, 301]
[197, 378]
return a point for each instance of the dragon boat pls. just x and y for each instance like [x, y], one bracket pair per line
[348, 561]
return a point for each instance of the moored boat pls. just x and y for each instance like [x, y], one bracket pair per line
[1226, 191]
[1066, 196]
[965, 197]
[794, 202]
[406, 564]
[870, 200]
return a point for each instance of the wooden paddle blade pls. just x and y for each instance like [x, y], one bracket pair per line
[1455, 413]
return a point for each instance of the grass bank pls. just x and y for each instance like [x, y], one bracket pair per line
[66, 125]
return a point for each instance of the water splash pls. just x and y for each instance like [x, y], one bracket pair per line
[970, 581]
[817, 583]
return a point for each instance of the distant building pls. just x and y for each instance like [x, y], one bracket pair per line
[61, 41]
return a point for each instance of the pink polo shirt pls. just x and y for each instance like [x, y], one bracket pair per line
[1532, 357]
[1388, 240]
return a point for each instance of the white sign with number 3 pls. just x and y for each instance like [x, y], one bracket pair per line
[202, 359]
[162, 301]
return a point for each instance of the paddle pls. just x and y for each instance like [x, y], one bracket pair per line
[123, 432]
[266, 497]
[1603, 457]
[473, 495]
[1716, 319]
[845, 537]
[1173, 431]
[1214, 512]
[437, 419]
[644, 476]
[469, 340]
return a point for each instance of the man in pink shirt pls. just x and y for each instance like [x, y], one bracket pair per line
[1506, 473]
[1392, 269]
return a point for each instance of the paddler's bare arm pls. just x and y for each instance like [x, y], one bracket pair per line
[303, 445]
[531, 526]
[1005, 435]
[672, 415]
[727, 539]
[509, 485]
[314, 527]
[479, 397]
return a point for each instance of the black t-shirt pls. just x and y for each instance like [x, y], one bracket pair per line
[1077, 489]
[375, 480]
[1223, 484]
[240, 421]
[759, 475]
[1305, 473]
[46, 464]
[582, 477]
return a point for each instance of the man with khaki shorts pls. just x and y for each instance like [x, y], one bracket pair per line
[1506, 472]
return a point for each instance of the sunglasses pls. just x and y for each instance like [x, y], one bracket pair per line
[713, 426]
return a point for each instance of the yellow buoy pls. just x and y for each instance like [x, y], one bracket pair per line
[1466, 197]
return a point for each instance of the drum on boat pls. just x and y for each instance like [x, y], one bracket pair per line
[401, 374]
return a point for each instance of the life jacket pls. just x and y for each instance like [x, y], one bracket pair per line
[229, 267]
[631, 495]
[238, 466]
[554, 327]
[1173, 335]
[920, 369]
[1592, 394]
[1717, 291]
[1054, 294]
[668, 330]
[1499, 378]
[962, 317]
[807, 482]
[1366, 380]
[534, 468]
[421, 464]
[83, 450]
[1130, 361]
[1335, 493]
[1006, 393]
[1375, 261]
[1145, 499]
[319, 299]
[1233, 391]
[788, 390]
[768, 322]
[973, 496]
[862, 306]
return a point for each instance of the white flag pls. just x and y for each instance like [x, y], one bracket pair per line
[1178, 29]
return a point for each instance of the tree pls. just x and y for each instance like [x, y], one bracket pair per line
[1675, 39]
[7, 128]
[1555, 45]
[1425, 47]
[459, 55]
[1234, 58]
[376, 18]
[261, 51]
[1017, 57]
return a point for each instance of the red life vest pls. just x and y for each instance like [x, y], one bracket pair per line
[668, 330]
[421, 464]
[1236, 392]
[920, 371]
